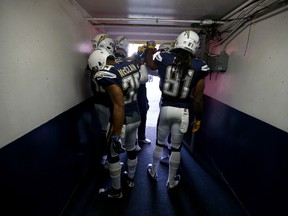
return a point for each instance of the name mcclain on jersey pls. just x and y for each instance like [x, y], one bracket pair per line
[127, 69]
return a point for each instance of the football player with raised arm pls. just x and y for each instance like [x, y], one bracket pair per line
[181, 75]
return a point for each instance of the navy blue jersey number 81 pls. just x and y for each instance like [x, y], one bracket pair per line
[173, 83]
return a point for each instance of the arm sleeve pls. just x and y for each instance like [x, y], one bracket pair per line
[144, 74]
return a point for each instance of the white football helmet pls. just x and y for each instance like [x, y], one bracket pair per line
[188, 40]
[97, 58]
[122, 44]
[165, 47]
[105, 41]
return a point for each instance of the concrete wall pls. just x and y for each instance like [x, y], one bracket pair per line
[256, 82]
[44, 50]
[244, 127]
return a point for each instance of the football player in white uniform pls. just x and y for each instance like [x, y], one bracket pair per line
[181, 76]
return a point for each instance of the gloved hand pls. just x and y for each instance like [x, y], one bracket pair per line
[141, 54]
[196, 125]
[151, 44]
[141, 49]
[117, 144]
[141, 58]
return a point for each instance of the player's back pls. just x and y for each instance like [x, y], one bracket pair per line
[127, 76]
[176, 89]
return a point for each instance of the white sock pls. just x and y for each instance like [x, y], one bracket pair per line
[157, 154]
[115, 174]
[132, 165]
[174, 163]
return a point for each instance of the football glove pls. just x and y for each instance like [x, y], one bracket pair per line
[141, 54]
[117, 144]
[141, 49]
[142, 57]
[196, 125]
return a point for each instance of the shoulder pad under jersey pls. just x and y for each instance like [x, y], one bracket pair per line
[105, 74]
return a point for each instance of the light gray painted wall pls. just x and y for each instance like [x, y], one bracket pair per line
[256, 83]
[44, 47]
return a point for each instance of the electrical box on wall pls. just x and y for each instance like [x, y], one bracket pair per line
[218, 62]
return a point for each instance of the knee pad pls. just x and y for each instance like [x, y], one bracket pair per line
[113, 159]
[160, 145]
[131, 154]
[176, 149]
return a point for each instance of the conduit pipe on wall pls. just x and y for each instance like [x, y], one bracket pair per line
[156, 20]
[142, 26]
[234, 34]
[238, 9]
